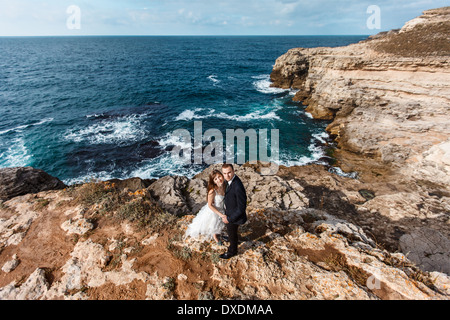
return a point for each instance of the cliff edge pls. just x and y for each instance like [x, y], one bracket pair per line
[311, 234]
[388, 100]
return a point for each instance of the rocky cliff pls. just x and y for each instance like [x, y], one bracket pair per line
[311, 234]
[388, 99]
[388, 102]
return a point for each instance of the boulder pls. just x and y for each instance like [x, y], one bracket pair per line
[25, 180]
[34, 288]
[9, 266]
[171, 192]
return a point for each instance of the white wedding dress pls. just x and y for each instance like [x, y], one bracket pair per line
[207, 223]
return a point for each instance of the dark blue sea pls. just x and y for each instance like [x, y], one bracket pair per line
[106, 107]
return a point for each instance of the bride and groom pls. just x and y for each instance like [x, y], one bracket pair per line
[227, 203]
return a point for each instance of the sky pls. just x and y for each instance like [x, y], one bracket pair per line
[206, 17]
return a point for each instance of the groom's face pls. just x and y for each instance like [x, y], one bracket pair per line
[228, 173]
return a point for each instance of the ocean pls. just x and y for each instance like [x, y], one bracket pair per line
[106, 107]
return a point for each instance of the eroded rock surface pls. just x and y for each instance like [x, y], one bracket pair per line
[388, 100]
[297, 244]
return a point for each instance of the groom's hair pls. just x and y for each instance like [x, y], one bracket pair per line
[228, 165]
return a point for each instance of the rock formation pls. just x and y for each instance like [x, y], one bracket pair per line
[387, 97]
[305, 239]
[311, 234]
[388, 101]
[20, 181]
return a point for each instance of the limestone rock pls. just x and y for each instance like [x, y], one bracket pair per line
[387, 97]
[428, 248]
[332, 225]
[303, 240]
[33, 289]
[441, 281]
[77, 226]
[171, 194]
[132, 184]
[11, 265]
[13, 227]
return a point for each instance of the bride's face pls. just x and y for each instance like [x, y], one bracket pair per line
[218, 180]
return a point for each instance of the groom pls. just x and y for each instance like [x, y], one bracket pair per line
[235, 207]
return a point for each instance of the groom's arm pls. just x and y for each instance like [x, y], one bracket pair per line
[241, 203]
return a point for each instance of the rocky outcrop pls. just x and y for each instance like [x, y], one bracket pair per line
[305, 239]
[388, 103]
[384, 104]
[429, 247]
[20, 181]
[311, 234]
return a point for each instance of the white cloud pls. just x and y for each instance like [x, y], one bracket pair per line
[39, 17]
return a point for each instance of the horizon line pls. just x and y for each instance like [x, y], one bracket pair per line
[187, 35]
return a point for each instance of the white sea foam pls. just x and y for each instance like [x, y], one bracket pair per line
[43, 121]
[95, 115]
[317, 152]
[172, 140]
[20, 128]
[186, 115]
[339, 172]
[17, 155]
[309, 115]
[214, 79]
[102, 176]
[189, 115]
[109, 132]
[165, 165]
[257, 115]
[263, 85]
[321, 136]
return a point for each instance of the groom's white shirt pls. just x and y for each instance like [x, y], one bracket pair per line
[229, 182]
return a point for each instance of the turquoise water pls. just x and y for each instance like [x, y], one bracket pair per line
[106, 107]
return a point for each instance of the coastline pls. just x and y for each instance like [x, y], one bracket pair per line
[312, 234]
[388, 110]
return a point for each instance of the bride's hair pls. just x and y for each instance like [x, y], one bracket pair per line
[211, 184]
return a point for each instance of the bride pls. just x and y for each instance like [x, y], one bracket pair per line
[208, 221]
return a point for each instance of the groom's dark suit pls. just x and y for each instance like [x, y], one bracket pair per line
[235, 210]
